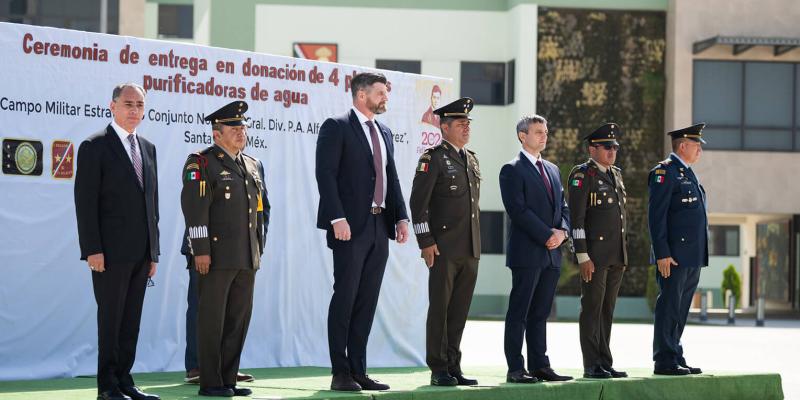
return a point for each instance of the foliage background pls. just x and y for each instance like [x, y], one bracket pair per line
[597, 66]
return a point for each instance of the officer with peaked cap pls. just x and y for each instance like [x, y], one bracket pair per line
[446, 217]
[597, 211]
[221, 202]
[679, 237]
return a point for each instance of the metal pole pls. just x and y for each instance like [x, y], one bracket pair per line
[703, 307]
[731, 310]
[103, 16]
[760, 311]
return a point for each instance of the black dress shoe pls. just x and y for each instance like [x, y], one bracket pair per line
[344, 383]
[368, 383]
[113, 394]
[215, 391]
[443, 379]
[520, 376]
[134, 393]
[692, 370]
[615, 373]
[242, 377]
[672, 371]
[596, 372]
[463, 380]
[239, 391]
[547, 374]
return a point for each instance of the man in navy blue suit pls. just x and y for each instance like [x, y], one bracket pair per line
[534, 201]
[679, 236]
[361, 206]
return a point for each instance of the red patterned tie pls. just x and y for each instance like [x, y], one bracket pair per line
[136, 159]
[544, 178]
[377, 161]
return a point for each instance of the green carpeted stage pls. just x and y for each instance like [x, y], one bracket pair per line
[412, 384]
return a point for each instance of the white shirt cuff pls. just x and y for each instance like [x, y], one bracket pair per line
[582, 257]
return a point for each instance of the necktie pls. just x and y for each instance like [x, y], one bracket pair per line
[544, 178]
[463, 156]
[136, 159]
[377, 161]
[241, 165]
[611, 177]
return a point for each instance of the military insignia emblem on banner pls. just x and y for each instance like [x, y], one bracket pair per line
[62, 159]
[22, 157]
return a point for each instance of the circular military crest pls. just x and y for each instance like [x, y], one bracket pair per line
[25, 157]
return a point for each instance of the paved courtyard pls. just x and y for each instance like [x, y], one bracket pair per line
[712, 346]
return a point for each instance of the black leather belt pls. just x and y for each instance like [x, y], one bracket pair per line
[375, 210]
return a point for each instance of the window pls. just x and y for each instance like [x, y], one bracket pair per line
[493, 232]
[75, 14]
[488, 83]
[410, 66]
[748, 105]
[175, 21]
[723, 240]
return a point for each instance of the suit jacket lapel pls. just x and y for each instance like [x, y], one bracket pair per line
[144, 151]
[119, 149]
[359, 132]
[538, 176]
[454, 155]
[227, 161]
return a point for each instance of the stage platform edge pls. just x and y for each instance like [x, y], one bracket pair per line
[413, 384]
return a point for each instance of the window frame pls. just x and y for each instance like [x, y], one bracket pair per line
[742, 127]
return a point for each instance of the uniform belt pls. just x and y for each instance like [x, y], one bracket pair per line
[375, 210]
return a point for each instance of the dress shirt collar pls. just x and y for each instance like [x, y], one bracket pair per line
[677, 157]
[362, 119]
[598, 165]
[121, 132]
[458, 149]
[532, 158]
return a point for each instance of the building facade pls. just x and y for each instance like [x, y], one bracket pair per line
[732, 64]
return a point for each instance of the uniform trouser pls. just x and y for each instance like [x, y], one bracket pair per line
[598, 298]
[529, 305]
[672, 310]
[119, 293]
[358, 266]
[450, 286]
[192, 300]
[226, 303]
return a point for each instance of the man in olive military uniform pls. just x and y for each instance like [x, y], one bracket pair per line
[679, 236]
[446, 217]
[597, 211]
[221, 202]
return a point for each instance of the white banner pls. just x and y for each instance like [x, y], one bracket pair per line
[55, 92]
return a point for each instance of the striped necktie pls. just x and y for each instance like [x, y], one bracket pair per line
[136, 159]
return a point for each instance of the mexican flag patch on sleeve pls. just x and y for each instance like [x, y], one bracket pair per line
[422, 167]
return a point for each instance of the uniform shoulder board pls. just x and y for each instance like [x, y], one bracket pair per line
[206, 150]
[666, 162]
[616, 168]
[250, 157]
[470, 151]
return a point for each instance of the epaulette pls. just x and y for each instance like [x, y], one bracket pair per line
[470, 151]
[579, 171]
[666, 162]
[616, 168]
[250, 157]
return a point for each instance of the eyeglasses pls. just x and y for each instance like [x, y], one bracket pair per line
[608, 147]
